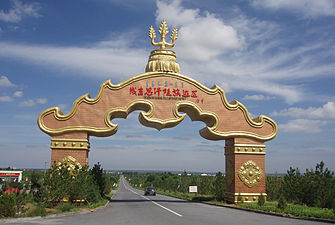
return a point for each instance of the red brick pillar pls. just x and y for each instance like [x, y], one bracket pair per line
[74, 146]
[245, 169]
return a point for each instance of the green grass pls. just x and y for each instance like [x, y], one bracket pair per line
[187, 196]
[110, 195]
[295, 210]
[181, 195]
[38, 211]
[66, 207]
[96, 205]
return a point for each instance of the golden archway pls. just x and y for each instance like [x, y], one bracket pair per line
[165, 97]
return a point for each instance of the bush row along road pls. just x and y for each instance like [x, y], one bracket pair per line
[130, 207]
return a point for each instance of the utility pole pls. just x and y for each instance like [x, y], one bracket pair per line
[45, 167]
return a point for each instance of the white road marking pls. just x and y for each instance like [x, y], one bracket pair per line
[154, 202]
[167, 209]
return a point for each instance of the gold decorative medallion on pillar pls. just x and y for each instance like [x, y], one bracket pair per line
[70, 162]
[250, 174]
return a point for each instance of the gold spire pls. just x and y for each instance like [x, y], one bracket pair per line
[162, 59]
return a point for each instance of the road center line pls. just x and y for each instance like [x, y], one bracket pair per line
[156, 203]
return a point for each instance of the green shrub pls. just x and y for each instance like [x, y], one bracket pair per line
[273, 187]
[65, 182]
[8, 205]
[99, 179]
[313, 188]
[240, 199]
[65, 207]
[219, 186]
[282, 204]
[93, 195]
[38, 211]
[261, 200]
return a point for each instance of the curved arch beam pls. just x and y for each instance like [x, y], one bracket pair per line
[162, 96]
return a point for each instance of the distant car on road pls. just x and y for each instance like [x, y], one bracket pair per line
[150, 191]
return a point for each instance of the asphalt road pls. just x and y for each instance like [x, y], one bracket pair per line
[130, 207]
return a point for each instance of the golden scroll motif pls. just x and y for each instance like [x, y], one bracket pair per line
[250, 173]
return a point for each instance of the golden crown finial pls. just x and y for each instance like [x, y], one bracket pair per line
[163, 31]
[162, 59]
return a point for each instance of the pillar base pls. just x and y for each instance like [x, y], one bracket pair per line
[246, 197]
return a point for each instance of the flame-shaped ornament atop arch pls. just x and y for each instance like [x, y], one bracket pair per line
[164, 99]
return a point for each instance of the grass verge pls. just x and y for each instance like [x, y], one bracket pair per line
[299, 211]
[187, 196]
[292, 209]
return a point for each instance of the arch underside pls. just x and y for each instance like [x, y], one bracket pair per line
[223, 120]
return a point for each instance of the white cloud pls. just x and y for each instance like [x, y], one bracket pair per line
[19, 10]
[252, 115]
[216, 37]
[239, 54]
[308, 8]
[4, 82]
[41, 101]
[63, 107]
[307, 121]
[257, 97]
[99, 59]
[327, 111]
[253, 63]
[18, 94]
[28, 103]
[302, 125]
[31, 102]
[5, 99]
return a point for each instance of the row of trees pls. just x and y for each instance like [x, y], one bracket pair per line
[207, 185]
[71, 184]
[312, 188]
[62, 183]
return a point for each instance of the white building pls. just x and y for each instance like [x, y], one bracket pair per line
[10, 174]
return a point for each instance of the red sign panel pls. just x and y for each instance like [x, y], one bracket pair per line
[10, 174]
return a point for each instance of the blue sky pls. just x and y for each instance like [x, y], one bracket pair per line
[277, 57]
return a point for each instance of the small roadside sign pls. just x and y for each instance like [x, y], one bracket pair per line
[193, 189]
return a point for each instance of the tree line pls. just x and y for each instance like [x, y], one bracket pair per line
[315, 187]
[62, 183]
[207, 185]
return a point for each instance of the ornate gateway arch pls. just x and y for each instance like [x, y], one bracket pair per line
[165, 97]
